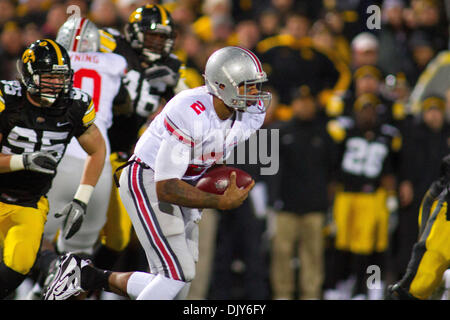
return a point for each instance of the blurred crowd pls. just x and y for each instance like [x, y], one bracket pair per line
[321, 56]
[333, 37]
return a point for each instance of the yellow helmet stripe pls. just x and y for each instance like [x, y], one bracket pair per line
[163, 14]
[58, 51]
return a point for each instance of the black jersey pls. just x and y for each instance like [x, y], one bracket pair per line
[145, 86]
[146, 82]
[365, 156]
[27, 128]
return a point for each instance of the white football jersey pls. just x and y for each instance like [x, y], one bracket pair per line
[190, 117]
[99, 75]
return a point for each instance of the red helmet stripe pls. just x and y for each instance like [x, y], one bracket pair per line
[75, 40]
[254, 58]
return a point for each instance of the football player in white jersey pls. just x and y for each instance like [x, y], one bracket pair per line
[154, 75]
[99, 74]
[197, 129]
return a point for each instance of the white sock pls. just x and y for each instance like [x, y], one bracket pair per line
[161, 288]
[137, 282]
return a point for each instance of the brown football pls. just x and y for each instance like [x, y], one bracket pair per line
[216, 180]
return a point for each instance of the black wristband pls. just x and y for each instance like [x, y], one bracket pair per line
[94, 279]
[81, 203]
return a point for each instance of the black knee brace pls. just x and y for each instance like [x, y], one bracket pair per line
[9, 280]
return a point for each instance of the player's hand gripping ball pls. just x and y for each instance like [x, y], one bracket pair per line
[216, 180]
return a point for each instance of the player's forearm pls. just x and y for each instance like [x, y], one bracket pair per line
[5, 163]
[93, 143]
[183, 194]
[5, 160]
[94, 166]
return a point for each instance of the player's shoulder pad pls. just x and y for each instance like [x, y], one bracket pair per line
[108, 42]
[182, 121]
[9, 88]
[173, 62]
[188, 108]
[112, 31]
[84, 104]
[337, 128]
[78, 95]
[115, 63]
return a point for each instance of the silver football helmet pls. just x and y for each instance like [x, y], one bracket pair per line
[79, 34]
[230, 67]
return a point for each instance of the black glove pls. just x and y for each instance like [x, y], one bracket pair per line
[162, 73]
[40, 161]
[74, 213]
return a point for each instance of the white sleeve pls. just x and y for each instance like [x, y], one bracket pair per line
[248, 125]
[172, 160]
[253, 121]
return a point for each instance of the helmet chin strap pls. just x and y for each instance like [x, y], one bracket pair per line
[47, 101]
[42, 99]
[150, 56]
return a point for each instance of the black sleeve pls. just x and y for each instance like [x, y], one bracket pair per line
[122, 102]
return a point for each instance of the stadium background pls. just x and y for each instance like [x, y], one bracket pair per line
[327, 36]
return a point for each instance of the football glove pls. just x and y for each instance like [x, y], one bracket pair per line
[40, 161]
[162, 73]
[73, 214]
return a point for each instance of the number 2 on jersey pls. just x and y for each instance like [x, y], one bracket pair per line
[198, 107]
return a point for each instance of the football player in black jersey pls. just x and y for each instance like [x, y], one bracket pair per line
[366, 195]
[38, 117]
[154, 73]
[430, 255]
